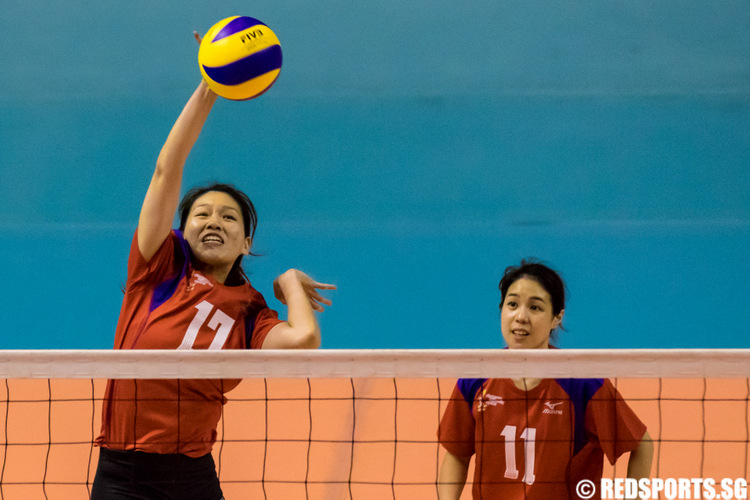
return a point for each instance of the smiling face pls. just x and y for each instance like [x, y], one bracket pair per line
[216, 234]
[526, 317]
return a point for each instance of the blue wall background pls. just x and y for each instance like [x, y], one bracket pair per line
[408, 153]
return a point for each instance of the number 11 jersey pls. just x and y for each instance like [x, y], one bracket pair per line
[537, 444]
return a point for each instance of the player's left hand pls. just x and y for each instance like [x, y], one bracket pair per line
[309, 286]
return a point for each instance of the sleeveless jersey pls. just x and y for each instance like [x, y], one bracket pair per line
[537, 444]
[170, 305]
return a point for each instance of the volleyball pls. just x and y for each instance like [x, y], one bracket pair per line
[240, 58]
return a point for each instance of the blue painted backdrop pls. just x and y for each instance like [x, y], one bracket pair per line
[408, 153]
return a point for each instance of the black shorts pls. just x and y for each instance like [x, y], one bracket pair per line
[134, 475]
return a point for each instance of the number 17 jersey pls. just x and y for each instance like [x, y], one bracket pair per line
[168, 304]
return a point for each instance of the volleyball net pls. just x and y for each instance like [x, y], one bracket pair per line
[359, 424]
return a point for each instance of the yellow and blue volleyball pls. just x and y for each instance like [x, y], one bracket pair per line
[240, 58]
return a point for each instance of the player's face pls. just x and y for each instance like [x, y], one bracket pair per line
[526, 317]
[216, 233]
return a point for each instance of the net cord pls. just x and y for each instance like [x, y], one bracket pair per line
[496, 363]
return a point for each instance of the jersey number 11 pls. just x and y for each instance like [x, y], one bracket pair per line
[529, 438]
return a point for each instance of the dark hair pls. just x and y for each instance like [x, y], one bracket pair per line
[535, 270]
[249, 215]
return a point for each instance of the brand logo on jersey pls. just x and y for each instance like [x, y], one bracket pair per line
[551, 408]
[486, 400]
[199, 279]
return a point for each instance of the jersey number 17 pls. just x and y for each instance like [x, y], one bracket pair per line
[220, 322]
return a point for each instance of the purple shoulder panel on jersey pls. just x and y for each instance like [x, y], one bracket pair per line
[469, 388]
[249, 327]
[580, 392]
[166, 288]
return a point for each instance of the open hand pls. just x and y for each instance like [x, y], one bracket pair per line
[309, 286]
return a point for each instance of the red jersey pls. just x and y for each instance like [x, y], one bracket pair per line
[537, 444]
[169, 305]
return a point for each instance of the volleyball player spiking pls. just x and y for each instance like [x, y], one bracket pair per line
[186, 290]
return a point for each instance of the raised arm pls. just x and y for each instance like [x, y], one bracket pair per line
[163, 195]
[299, 292]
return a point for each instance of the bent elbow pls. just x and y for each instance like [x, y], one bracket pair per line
[307, 339]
